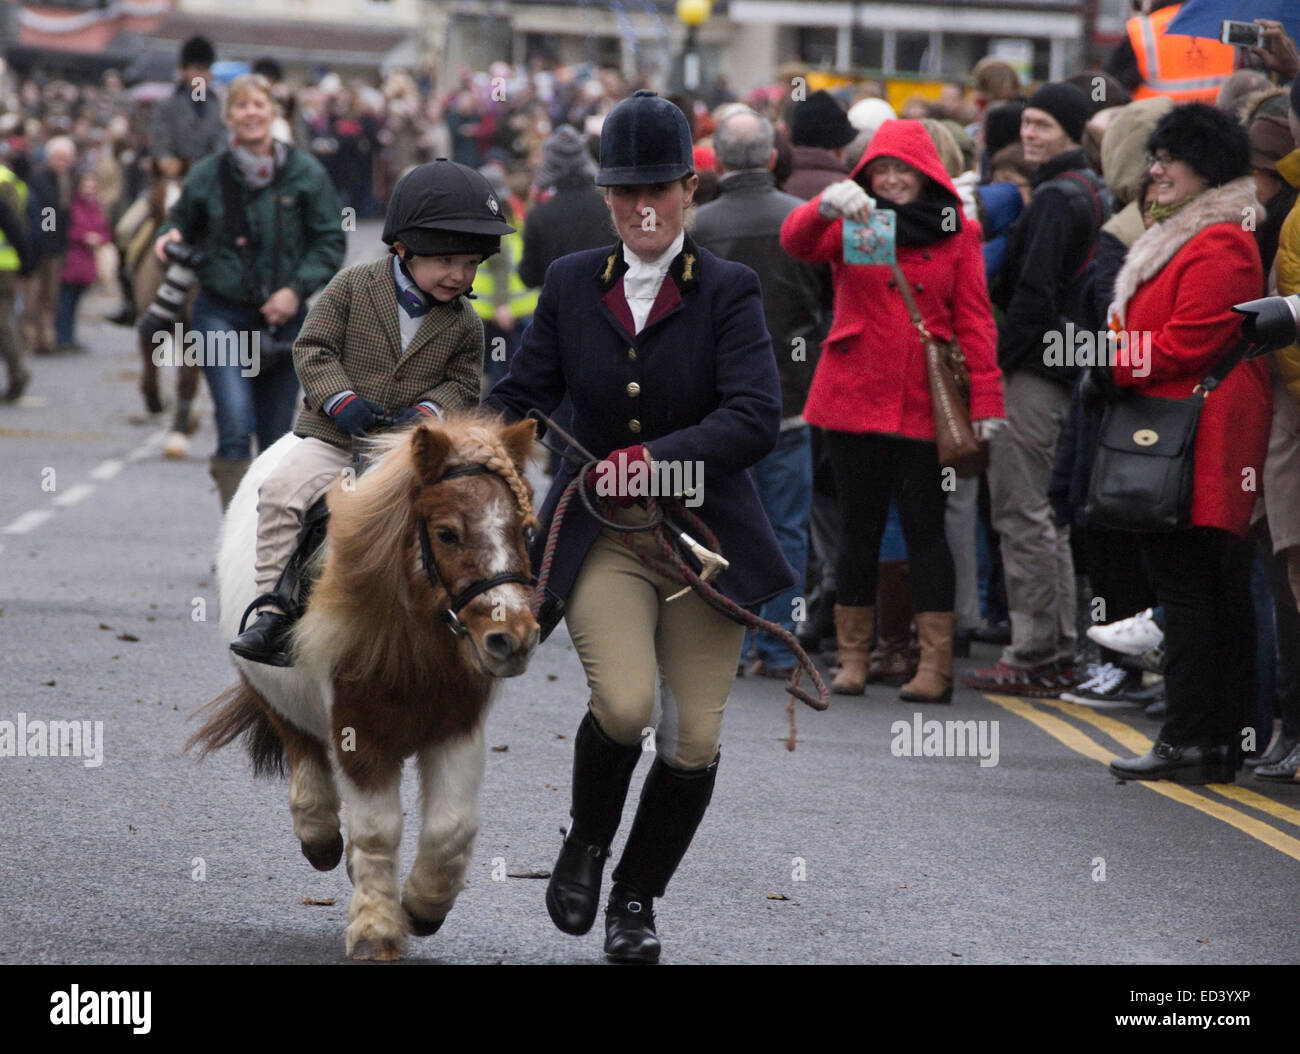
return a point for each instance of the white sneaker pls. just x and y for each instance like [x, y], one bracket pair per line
[1130, 636]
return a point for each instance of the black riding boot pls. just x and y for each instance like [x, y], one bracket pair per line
[266, 639]
[602, 770]
[673, 802]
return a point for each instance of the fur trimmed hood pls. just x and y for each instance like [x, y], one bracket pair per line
[1160, 244]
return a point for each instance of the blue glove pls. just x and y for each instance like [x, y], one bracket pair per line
[422, 411]
[354, 415]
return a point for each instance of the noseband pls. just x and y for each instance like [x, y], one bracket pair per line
[459, 600]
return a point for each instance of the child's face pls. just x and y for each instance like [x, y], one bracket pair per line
[444, 277]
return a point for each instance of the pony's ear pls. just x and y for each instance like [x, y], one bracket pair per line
[429, 450]
[518, 441]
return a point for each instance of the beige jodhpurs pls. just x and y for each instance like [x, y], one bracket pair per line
[627, 636]
[284, 497]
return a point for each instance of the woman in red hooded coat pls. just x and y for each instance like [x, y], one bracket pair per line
[871, 392]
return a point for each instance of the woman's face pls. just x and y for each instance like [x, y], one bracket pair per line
[250, 116]
[1174, 181]
[649, 216]
[895, 180]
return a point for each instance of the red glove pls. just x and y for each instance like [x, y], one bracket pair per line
[615, 469]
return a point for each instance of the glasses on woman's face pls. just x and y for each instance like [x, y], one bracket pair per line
[1161, 157]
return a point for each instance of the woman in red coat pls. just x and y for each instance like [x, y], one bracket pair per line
[1177, 286]
[871, 393]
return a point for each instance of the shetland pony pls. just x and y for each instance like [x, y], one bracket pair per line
[421, 602]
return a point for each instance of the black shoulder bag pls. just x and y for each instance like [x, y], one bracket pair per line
[1143, 474]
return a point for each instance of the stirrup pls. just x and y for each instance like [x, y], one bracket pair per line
[287, 607]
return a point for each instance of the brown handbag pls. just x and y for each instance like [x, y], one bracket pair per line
[945, 365]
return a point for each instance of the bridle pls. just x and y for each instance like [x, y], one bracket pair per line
[451, 615]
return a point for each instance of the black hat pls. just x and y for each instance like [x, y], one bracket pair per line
[1205, 139]
[198, 51]
[443, 208]
[821, 121]
[1066, 104]
[1002, 125]
[645, 139]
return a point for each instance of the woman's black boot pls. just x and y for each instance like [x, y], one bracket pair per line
[602, 770]
[673, 801]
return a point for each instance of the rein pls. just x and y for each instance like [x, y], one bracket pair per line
[672, 565]
[455, 602]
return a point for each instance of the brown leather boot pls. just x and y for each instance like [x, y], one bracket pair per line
[933, 680]
[853, 634]
[227, 472]
[890, 661]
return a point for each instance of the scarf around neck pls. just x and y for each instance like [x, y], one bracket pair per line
[924, 222]
[259, 170]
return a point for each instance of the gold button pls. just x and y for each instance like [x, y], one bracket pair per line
[633, 389]
[634, 425]
[631, 353]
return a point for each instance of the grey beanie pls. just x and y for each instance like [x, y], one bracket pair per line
[566, 161]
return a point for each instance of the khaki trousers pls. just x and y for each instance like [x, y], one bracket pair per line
[37, 322]
[1036, 557]
[627, 636]
[305, 473]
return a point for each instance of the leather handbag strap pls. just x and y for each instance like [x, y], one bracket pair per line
[903, 287]
[1213, 379]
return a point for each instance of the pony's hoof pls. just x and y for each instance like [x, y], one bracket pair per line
[423, 927]
[324, 856]
[383, 951]
[176, 447]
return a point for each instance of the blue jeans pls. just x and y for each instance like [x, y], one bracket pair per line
[262, 404]
[785, 485]
[65, 313]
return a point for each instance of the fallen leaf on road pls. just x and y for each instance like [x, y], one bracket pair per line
[48, 684]
[105, 625]
[323, 902]
[777, 896]
[1202, 940]
[127, 637]
[501, 749]
[552, 677]
[530, 873]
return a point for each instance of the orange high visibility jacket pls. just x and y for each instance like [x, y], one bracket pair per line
[1186, 69]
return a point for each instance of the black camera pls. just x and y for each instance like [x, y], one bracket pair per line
[179, 278]
[1270, 323]
[273, 350]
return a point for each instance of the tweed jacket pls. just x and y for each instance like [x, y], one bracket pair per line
[179, 129]
[351, 339]
[698, 384]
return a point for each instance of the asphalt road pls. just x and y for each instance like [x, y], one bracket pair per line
[840, 852]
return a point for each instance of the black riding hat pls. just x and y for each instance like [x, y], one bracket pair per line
[645, 139]
[442, 209]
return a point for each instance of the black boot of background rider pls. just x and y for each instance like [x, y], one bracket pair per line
[602, 770]
[673, 801]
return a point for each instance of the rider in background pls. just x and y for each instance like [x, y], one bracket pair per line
[394, 338]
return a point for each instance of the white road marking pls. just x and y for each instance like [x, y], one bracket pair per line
[107, 469]
[147, 448]
[29, 521]
[80, 492]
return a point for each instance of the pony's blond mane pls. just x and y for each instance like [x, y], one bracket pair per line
[372, 551]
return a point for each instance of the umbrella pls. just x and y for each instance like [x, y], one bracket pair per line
[1203, 18]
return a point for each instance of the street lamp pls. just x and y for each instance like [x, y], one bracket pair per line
[692, 14]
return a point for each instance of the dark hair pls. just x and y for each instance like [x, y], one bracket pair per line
[198, 51]
[1205, 139]
[270, 69]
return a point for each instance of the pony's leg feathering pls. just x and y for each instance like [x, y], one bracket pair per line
[373, 814]
[450, 774]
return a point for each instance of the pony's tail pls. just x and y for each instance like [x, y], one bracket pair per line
[241, 711]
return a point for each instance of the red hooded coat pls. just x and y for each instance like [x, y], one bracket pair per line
[871, 376]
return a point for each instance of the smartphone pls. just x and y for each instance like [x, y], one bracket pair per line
[1241, 34]
[871, 242]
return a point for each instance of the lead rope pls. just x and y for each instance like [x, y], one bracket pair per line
[678, 570]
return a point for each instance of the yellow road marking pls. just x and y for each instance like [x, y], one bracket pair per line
[1082, 744]
[1258, 801]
